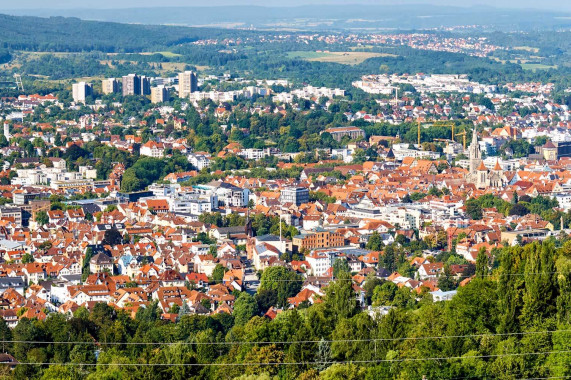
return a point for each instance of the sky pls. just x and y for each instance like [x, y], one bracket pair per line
[562, 5]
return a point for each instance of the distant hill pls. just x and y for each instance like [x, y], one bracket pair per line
[75, 35]
[325, 17]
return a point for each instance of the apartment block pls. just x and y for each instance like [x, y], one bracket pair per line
[187, 84]
[81, 91]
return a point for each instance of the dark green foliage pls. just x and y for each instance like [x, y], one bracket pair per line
[245, 308]
[281, 280]
[42, 218]
[85, 265]
[147, 170]
[218, 273]
[340, 266]
[519, 209]
[112, 237]
[72, 34]
[266, 298]
[445, 281]
[375, 242]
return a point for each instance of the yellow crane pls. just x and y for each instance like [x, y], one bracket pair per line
[463, 134]
[437, 123]
[451, 124]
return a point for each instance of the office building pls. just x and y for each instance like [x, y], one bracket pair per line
[81, 91]
[159, 94]
[563, 149]
[11, 212]
[295, 195]
[318, 238]
[187, 84]
[131, 85]
[109, 86]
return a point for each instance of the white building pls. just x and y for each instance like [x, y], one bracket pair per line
[320, 262]
[81, 91]
[199, 161]
[153, 149]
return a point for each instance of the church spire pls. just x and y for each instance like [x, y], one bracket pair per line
[475, 154]
[474, 138]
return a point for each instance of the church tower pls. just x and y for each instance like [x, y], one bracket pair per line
[482, 176]
[475, 154]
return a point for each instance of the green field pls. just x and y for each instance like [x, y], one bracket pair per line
[536, 66]
[526, 48]
[306, 54]
[342, 57]
[168, 54]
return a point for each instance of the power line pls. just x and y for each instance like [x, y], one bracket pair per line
[294, 342]
[545, 378]
[324, 279]
[513, 374]
[299, 363]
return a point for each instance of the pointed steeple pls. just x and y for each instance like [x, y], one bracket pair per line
[497, 167]
[474, 138]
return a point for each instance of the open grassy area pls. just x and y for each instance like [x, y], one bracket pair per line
[168, 54]
[342, 57]
[536, 66]
[306, 54]
[166, 66]
[526, 48]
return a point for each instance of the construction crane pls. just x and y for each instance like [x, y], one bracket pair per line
[463, 134]
[451, 124]
[437, 123]
[444, 140]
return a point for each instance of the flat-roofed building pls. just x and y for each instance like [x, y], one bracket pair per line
[131, 85]
[109, 86]
[318, 238]
[187, 83]
[340, 132]
[295, 195]
[159, 94]
[145, 85]
[81, 91]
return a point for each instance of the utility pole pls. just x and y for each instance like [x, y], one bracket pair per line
[19, 83]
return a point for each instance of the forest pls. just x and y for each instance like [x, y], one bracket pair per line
[512, 320]
[59, 34]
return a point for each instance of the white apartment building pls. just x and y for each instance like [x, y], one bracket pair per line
[199, 161]
[81, 91]
[320, 262]
[255, 154]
